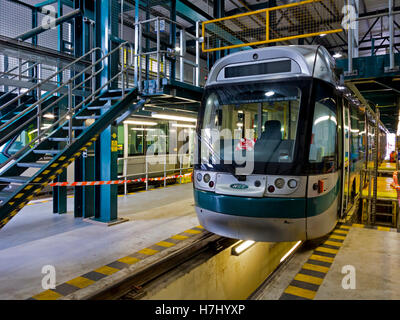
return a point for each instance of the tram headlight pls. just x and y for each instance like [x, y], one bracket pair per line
[206, 178]
[199, 177]
[292, 183]
[279, 183]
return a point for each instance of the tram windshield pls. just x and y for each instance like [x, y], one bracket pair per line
[259, 120]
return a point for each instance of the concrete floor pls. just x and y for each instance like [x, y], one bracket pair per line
[35, 237]
[375, 256]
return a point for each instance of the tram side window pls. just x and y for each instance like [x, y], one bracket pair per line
[362, 136]
[354, 133]
[323, 139]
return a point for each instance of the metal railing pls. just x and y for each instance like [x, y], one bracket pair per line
[179, 53]
[70, 85]
[10, 75]
[147, 164]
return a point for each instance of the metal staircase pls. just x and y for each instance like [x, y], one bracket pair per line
[89, 111]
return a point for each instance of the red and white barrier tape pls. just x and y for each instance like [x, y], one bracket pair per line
[99, 183]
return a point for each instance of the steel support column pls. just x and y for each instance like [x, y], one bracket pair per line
[60, 193]
[105, 158]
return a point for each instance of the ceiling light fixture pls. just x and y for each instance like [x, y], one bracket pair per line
[171, 117]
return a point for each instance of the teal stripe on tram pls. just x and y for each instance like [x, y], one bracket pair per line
[290, 208]
[320, 204]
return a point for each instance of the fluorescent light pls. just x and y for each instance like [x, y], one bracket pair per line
[337, 55]
[49, 116]
[143, 129]
[239, 124]
[270, 93]
[170, 117]
[178, 125]
[322, 35]
[177, 49]
[290, 251]
[143, 123]
[241, 247]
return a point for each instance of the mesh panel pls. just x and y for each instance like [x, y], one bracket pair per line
[15, 19]
[297, 20]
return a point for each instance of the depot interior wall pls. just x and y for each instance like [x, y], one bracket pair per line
[224, 276]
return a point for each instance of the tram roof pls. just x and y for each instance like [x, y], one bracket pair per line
[306, 60]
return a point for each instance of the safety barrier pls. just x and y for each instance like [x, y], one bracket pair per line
[98, 183]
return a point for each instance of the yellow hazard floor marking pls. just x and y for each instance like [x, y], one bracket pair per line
[384, 228]
[333, 243]
[129, 260]
[148, 251]
[193, 231]
[106, 270]
[314, 267]
[327, 250]
[80, 282]
[47, 295]
[300, 292]
[321, 258]
[165, 244]
[357, 225]
[341, 231]
[334, 236]
[179, 237]
[344, 227]
[200, 227]
[308, 279]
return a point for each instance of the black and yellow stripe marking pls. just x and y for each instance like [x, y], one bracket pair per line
[91, 277]
[42, 180]
[307, 281]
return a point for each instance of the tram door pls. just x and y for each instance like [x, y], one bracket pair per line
[346, 155]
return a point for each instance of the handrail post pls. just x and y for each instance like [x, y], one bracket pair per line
[158, 54]
[70, 112]
[197, 83]
[135, 62]
[147, 173]
[181, 52]
[93, 74]
[19, 77]
[125, 176]
[123, 72]
[180, 168]
[165, 170]
[39, 97]
[140, 58]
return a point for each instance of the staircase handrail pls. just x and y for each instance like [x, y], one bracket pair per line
[68, 116]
